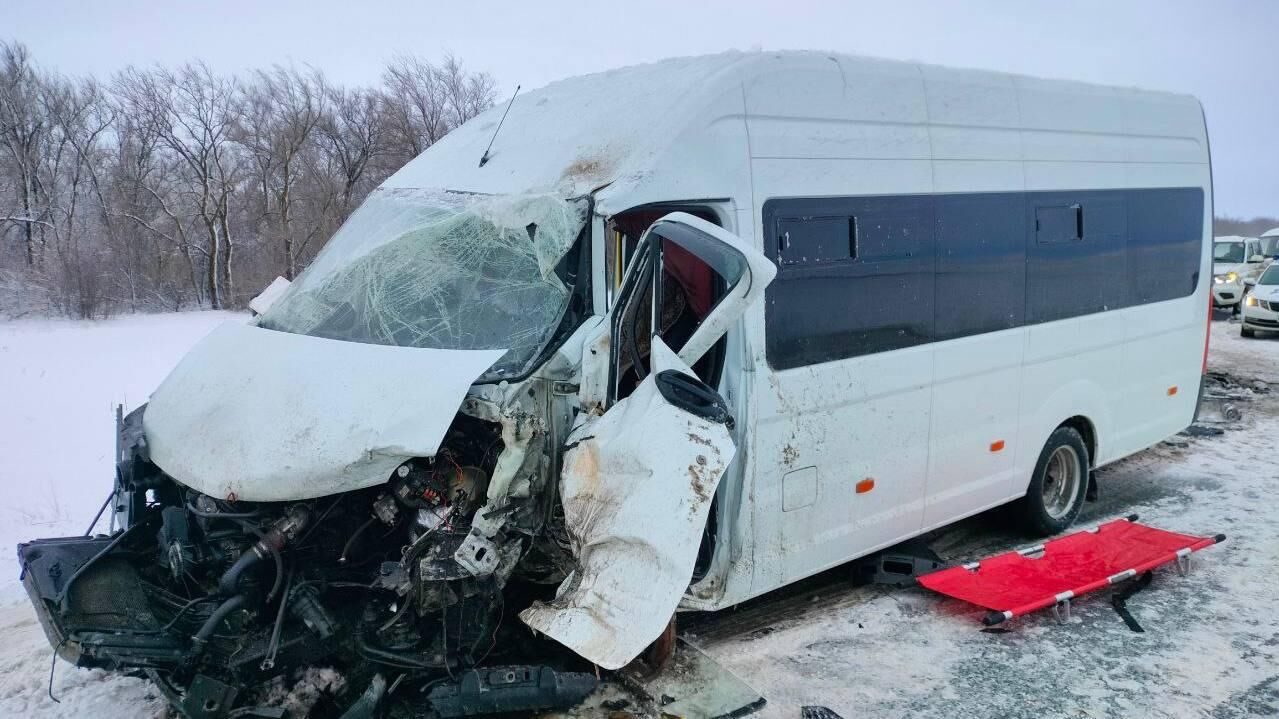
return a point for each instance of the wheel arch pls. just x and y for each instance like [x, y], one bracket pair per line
[1086, 429]
[1079, 404]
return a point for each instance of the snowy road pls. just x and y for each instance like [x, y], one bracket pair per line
[1211, 646]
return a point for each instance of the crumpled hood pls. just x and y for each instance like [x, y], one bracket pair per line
[261, 415]
[1221, 268]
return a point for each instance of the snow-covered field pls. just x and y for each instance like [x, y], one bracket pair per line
[59, 384]
[1211, 646]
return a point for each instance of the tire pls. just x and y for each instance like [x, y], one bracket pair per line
[1236, 308]
[1247, 332]
[1058, 486]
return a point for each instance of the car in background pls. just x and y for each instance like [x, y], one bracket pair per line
[1270, 243]
[1261, 308]
[1236, 262]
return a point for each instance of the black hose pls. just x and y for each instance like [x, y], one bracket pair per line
[182, 610]
[395, 659]
[354, 536]
[216, 618]
[230, 582]
[66, 588]
[279, 575]
[98, 516]
[273, 647]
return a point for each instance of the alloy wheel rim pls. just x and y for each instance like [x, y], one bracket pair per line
[1061, 482]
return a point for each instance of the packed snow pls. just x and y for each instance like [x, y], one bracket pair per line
[1210, 649]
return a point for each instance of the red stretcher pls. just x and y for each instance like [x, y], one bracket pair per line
[1053, 573]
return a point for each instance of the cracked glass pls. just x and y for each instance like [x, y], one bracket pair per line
[422, 268]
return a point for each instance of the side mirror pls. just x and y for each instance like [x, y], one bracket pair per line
[1257, 258]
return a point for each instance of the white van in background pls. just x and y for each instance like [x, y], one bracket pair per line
[1270, 243]
[677, 335]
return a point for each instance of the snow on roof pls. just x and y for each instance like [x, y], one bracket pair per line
[575, 135]
[1231, 238]
[1272, 232]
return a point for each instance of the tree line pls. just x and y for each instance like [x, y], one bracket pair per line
[170, 188]
[1245, 228]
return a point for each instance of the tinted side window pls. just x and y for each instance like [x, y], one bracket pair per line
[807, 239]
[878, 297]
[882, 273]
[1165, 243]
[1068, 276]
[981, 263]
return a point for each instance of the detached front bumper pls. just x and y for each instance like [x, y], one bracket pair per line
[104, 620]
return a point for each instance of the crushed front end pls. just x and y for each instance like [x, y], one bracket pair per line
[212, 598]
[361, 477]
[405, 463]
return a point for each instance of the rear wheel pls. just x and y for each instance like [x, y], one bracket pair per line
[1059, 484]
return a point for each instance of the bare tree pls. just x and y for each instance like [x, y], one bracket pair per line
[281, 111]
[166, 188]
[190, 113]
[22, 130]
[424, 102]
[354, 137]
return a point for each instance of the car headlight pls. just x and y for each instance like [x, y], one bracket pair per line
[1250, 301]
[1231, 277]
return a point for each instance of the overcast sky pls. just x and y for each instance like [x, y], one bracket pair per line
[1225, 52]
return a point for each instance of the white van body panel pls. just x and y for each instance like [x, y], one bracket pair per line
[730, 132]
[923, 422]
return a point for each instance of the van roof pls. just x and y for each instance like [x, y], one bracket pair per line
[1272, 232]
[576, 135]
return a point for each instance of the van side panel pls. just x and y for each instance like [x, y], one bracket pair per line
[861, 419]
[952, 426]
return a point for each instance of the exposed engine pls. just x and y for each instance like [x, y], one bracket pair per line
[212, 596]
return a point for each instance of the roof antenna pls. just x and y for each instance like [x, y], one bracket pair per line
[484, 160]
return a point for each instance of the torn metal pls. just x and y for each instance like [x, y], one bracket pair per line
[636, 488]
[416, 442]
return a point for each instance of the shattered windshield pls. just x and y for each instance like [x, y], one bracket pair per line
[420, 268]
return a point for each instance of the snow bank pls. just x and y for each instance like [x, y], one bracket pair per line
[61, 381]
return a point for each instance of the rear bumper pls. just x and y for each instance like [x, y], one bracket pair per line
[105, 620]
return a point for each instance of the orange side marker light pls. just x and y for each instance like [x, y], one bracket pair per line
[997, 445]
[865, 485]
[1172, 390]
